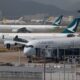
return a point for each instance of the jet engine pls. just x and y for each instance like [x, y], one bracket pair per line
[21, 30]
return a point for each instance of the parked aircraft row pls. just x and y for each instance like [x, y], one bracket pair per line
[22, 38]
[32, 28]
[11, 21]
[31, 41]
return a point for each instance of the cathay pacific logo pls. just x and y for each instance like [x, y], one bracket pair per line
[57, 22]
[72, 28]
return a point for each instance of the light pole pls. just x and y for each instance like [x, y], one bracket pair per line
[51, 73]
[45, 64]
[44, 69]
[19, 58]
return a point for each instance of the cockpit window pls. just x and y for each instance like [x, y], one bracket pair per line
[20, 39]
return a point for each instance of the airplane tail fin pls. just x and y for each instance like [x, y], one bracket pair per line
[20, 18]
[73, 26]
[57, 21]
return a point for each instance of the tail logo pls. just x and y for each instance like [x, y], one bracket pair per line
[57, 21]
[72, 28]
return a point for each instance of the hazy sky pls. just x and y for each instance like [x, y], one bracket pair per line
[64, 4]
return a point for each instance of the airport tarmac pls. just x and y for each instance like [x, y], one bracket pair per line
[52, 71]
[13, 57]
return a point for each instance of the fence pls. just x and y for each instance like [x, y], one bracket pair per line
[46, 71]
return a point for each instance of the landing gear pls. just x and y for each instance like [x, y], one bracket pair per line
[29, 59]
[8, 46]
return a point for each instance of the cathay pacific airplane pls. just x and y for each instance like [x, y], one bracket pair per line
[22, 38]
[31, 28]
[48, 46]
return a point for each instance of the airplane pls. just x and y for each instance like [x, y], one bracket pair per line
[22, 38]
[32, 28]
[11, 21]
[53, 47]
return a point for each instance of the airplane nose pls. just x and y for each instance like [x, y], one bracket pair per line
[29, 51]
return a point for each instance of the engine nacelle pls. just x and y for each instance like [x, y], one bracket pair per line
[21, 30]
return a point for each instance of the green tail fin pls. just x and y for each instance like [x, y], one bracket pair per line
[73, 26]
[58, 20]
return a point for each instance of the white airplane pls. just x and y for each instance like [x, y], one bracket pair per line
[22, 38]
[32, 28]
[48, 46]
[11, 21]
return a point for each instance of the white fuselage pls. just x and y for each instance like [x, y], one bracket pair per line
[23, 38]
[31, 28]
[55, 43]
[32, 36]
[63, 42]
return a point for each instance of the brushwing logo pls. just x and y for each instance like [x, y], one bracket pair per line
[72, 28]
[58, 22]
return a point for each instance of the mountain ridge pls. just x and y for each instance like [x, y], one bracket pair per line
[13, 8]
